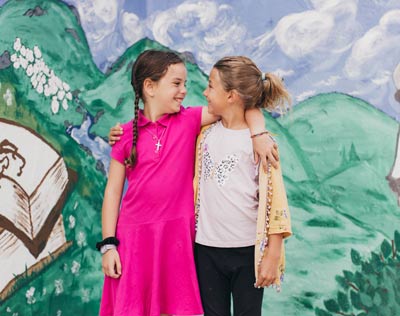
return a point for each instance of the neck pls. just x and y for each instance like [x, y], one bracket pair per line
[233, 118]
[152, 112]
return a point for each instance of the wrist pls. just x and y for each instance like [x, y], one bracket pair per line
[105, 248]
[259, 134]
[107, 241]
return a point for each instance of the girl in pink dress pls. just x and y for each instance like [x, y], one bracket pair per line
[152, 271]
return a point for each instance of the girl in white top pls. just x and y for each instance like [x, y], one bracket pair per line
[228, 191]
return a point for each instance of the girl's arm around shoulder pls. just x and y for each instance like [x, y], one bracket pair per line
[265, 149]
[207, 118]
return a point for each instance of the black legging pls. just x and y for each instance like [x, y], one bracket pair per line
[223, 272]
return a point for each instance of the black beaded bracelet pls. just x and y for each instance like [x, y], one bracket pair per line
[107, 241]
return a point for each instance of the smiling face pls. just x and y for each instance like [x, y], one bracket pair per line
[170, 90]
[215, 94]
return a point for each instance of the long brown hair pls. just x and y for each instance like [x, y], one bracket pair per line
[255, 88]
[151, 64]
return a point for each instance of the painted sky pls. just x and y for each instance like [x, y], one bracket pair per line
[318, 46]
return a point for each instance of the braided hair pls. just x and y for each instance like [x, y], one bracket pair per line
[153, 65]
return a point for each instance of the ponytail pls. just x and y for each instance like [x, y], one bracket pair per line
[274, 96]
[256, 89]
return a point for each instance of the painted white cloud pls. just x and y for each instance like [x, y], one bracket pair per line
[100, 19]
[304, 95]
[131, 27]
[300, 34]
[377, 50]
[331, 81]
[396, 77]
[327, 30]
[207, 29]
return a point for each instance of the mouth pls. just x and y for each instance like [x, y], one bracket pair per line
[179, 100]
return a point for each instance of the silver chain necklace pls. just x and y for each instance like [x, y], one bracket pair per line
[158, 139]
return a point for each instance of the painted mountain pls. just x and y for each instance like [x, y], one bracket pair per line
[335, 149]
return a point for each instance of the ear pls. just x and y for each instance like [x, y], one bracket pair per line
[233, 96]
[148, 87]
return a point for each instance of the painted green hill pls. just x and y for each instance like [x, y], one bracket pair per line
[340, 199]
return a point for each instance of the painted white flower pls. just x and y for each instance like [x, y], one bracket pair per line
[61, 94]
[58, 82]
[76, 202]
[59, 286]
[22, 51]
[37, 52]
[46, 70]
[43, 79]
[75, 267]
[55, 105]
[65, 104]
[53, 89]
[23, 62]
[59, 312]
[8, 309]
[29, 55]
[66, 86]
[81, 239]
[44, 291]
[30, 296]
[40, 64]
[17, 44]
[39, 88]
[15, 314]
[16, 64]
[13, 58]
[29, 71]
[71, 220]
[8, 97]
[65, 267]
[85, 295]
[34, 81]
[47, 92]
[36, 69]
[69, 96]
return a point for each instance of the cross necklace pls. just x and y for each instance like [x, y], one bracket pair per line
[158, 139]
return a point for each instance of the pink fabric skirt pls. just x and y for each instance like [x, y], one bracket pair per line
[158, 271]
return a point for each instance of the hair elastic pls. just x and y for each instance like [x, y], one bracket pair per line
[263, 78]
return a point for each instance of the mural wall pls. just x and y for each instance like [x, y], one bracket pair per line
[65, 80]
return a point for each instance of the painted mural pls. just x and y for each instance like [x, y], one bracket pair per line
[65, 80]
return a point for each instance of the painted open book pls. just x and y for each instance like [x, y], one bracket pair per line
[34, 181]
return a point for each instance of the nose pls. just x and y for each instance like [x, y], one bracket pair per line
[205, 92]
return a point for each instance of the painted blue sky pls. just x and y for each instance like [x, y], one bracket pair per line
[350, 46]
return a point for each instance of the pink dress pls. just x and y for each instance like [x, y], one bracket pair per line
[156, 221]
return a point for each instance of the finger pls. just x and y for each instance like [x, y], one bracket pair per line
[111, 142]
[114, 137]
[264, 163]
[118, 267]
[275, 153]
[116, 130]
[111, 273]
[255, 157]
[272, 160]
